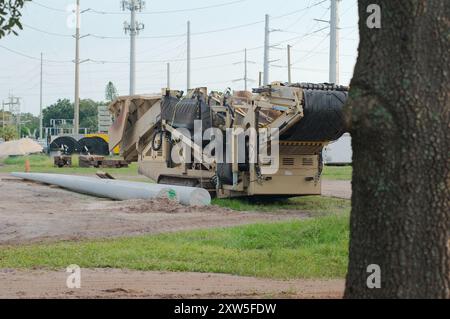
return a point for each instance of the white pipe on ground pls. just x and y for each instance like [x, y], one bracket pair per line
[122, 190]
[186, 195]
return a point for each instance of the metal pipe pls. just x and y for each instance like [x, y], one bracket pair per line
[122, 190]
[192, 196]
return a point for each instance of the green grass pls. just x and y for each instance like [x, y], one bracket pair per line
[342, 173]
[313, 204]
[44, 164]
[313, 248]
[42, 160]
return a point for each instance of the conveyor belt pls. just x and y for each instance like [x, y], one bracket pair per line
[323, 117]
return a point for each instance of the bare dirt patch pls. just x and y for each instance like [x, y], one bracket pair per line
[31, 212]
[338, 189]
[114, 283]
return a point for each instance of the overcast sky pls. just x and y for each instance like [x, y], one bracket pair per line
[239, 25]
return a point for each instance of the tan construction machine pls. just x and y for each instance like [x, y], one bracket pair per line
[265, 143]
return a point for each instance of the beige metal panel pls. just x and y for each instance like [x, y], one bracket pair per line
[287, 185]
[117, 130]
[297, 162]
[142, 126]
[156, 168]
[295, 148]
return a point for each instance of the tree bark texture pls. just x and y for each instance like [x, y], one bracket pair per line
[398, 115]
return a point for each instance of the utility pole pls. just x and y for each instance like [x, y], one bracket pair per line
[266, 50]
[168, 76]
[133, 28]
[3, 114]
[76, 121]
[260, 79]
[245, 78]
[14, 112]
[334, 42]
[289, 64]
[40, 102]
[245, 70]
[132, 51]
[188, 67]
[19, 118]
[76, 117]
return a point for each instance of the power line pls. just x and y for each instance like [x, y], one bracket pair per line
[99, 61]
[301, 17]
[47, 32]
[310, 52]
[235, 27]
[176, 10]
[179, 59]
[102, 37]
[348, 9]
[32, 57]
[149, 12]
[299, 38]
[47, 7]
[317, 31]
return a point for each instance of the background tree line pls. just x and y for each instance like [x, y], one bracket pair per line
[62, 109]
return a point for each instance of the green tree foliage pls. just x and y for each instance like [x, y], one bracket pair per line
[64, 109]
[10, 16]
[110, 92]
[89, 115]
[5, 117]
[8, 133]
[30, 125]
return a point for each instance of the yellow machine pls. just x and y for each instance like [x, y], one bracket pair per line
[265, 143]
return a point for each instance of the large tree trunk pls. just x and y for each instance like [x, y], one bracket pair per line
[398, 113]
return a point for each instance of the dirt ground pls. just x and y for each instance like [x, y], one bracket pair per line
[114, 283]
[339, 189]
[31, 212]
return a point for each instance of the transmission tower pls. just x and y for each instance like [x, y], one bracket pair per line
[133, 27]
[14, 111]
